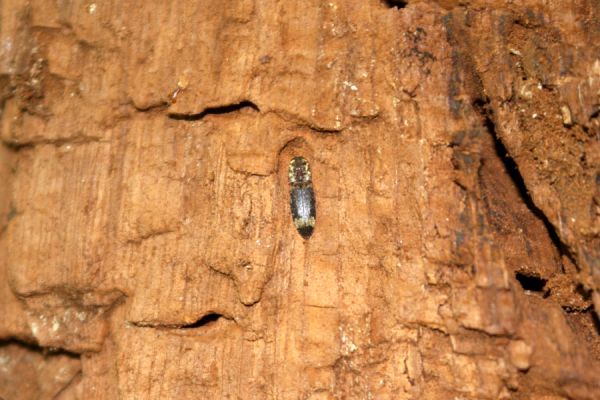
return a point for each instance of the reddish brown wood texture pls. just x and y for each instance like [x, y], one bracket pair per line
[146, 244]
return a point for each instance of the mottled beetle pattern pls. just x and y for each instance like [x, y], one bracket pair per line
[302, 196]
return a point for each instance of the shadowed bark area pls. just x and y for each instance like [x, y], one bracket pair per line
[147, 245]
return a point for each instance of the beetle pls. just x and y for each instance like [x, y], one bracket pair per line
[302, 196]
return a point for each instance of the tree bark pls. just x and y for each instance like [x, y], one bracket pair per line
[147, 246]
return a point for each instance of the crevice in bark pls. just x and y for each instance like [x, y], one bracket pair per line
[206, 320]
[15, 146]
[395, 3]
[595, 321]
[513, 171]
[162, 105]
[215, 111]
[33, 347]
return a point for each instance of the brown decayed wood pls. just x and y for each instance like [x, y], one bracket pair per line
[146, 245]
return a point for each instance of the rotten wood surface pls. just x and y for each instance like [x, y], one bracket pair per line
[146, 244]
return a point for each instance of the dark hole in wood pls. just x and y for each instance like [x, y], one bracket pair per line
[531, 283]
[204, 321]
[585, 294]
[395, 3]
[216, 110]
[595, 321]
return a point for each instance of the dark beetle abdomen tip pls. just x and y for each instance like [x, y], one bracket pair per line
[306, 231]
